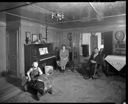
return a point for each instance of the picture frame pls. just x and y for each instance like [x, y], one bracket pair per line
[119, 35]
[28, 37]
[69, 36]
[35, 38]
[44, 40]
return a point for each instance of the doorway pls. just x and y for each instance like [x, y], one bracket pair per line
[85, 41]
[12, 51]
[108, 45]
[94, 42]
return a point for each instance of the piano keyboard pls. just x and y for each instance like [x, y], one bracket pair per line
[47, 58]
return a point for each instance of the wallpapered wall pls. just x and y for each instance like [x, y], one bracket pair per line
[57, 36]
[36, 28]
[2, 46]
[118, 24]
[2, 43]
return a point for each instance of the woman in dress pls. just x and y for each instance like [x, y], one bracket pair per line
[64, 57]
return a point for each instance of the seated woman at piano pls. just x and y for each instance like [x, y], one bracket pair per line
[64, 57]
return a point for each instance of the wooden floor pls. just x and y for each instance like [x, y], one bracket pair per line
[72, 87]
[68, 87]
[7, 89]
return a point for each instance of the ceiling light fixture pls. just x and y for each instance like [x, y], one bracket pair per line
[59, 15]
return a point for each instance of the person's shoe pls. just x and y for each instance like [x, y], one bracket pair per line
[25, 87]
[98, 75]
[38, 96]
[93, 77]
[69, 70]
[86, 77]
[63, 71]
[50, 91]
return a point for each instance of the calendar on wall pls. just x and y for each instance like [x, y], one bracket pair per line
[119, 35]
[119, 43]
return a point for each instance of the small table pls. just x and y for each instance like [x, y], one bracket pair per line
[118, 63]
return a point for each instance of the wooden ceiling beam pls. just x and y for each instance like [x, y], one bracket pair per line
[23, 17]
[94, 9]
[26, 4]
[40, 8]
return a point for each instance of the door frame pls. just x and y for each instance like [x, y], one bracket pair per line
[17, 52]
[7, 51]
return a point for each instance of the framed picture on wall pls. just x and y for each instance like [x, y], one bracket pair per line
[28, 37]
[42, 39]
[119, 35]
[35, 38]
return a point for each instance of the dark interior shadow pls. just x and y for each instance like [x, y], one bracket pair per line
[113, 72]
[17, 83]
[32, 92]
[83, 70]
[14, 80]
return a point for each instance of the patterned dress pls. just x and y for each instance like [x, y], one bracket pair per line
[63, 55]
[40, 82]
[34, 74]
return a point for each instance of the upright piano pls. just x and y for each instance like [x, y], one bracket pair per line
[43, 53]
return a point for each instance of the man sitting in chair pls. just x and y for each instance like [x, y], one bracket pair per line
[93, 64]
[64, 58]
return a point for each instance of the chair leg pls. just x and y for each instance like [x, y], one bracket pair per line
[95, 70]
[38, 95]
[25, 87]
[50, 90]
